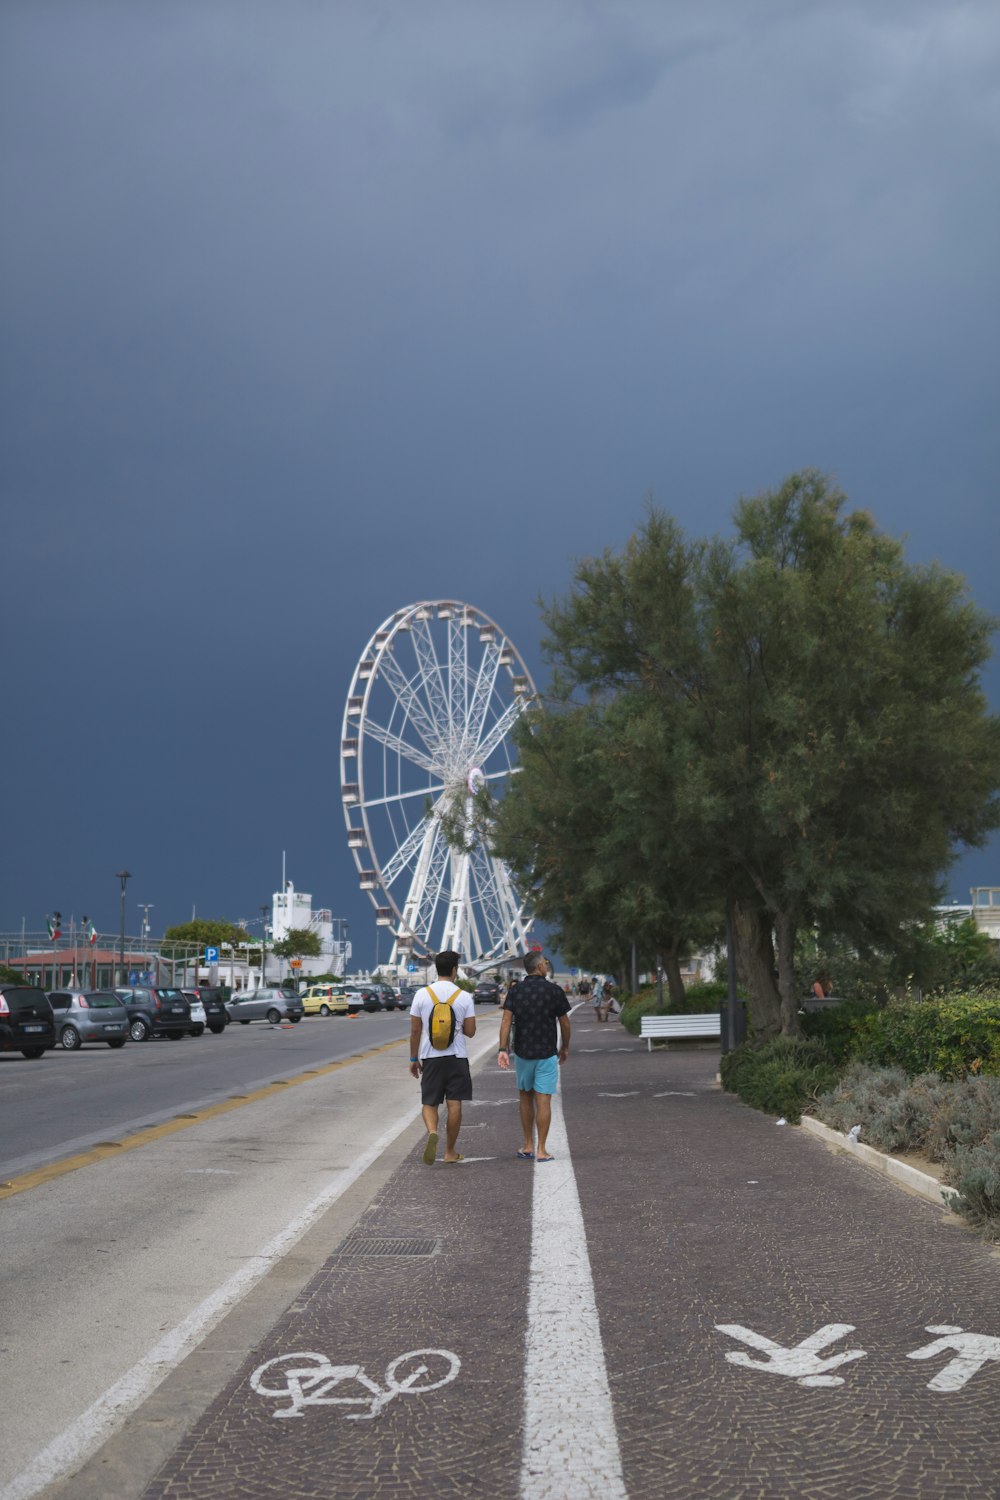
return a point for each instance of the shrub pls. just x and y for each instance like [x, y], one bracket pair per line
[782, 1077]
[967, 1114]
[634, 1007]
[838, 1028]
[860, 1097]
[952, 1034]
[699, 999]
[975, 1172]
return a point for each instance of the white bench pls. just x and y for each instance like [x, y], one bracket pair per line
[679, 1026]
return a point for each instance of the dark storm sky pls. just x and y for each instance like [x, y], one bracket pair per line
[311, 310]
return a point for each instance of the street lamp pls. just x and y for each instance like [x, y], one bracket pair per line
[263, 943]
[124, 876]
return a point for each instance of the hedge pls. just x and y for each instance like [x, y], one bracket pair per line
[952, 1035]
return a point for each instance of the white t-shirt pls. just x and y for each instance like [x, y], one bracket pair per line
[463, 1006]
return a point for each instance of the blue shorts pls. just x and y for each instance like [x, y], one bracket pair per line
[537, 1075]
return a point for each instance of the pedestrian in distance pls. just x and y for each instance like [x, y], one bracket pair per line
[539, 1011]
[443, 1071]
[598, 998]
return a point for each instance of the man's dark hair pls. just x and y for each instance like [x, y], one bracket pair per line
[532, 960]
[446, 962]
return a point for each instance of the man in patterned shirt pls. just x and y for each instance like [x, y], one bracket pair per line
[537, 1007]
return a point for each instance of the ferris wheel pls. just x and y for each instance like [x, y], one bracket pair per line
[427, 727]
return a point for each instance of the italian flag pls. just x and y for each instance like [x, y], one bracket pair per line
[91, 934]
[55, 931]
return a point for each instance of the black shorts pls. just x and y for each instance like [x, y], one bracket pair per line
[445, 1078]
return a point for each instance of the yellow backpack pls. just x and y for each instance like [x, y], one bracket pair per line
[441, 1024]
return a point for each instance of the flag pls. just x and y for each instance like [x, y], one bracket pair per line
[91, 934]
[55, 928]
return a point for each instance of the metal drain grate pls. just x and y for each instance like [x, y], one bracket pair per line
[365, 1245]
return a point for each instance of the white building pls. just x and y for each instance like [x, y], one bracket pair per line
[291, 908]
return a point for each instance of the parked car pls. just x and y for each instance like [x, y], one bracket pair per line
[197, 1012]
[487, 992]
[156, 1012]
[210, 1002]
[324, 1000]
[26, 1023]
[266, 1004]
[88, 1016]
[385, 994]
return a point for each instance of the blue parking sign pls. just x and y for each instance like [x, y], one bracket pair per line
[211, 955]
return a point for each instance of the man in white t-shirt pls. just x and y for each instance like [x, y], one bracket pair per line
[444, 1074]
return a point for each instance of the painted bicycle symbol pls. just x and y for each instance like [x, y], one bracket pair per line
[308, 1379]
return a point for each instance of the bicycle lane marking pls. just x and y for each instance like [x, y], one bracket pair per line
[569, 1447]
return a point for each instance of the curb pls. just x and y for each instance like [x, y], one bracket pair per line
[898, 1171]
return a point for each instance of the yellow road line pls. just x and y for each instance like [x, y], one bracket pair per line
[105, 1149]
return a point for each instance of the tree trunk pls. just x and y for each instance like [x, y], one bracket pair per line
[672, 971]
[755, 956]
[784, 924]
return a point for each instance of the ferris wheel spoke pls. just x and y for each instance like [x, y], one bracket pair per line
[499, 731]
[486, 682]
[425, 888]
[420, 791]
[486, 871]
[430, 674]
[409, 849]
[410, 702]
[402, 747]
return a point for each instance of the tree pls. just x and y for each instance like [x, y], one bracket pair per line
[593, 833]
[804, 730]
[298, 942]
[202, 933]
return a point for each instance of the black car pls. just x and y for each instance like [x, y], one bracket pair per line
[386, 995]
[216, 1014]
[486, 993]
[26, 1023]
[157, 1012]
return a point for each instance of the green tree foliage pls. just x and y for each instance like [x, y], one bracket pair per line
[791, 718]
[298, 942]
[202, 933]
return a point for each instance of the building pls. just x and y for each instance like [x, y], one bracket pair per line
[294, 909]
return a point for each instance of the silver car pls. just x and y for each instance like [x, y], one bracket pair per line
[88, 1016]
[265, 1004]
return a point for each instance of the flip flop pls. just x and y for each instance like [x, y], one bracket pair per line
[431, 1149]
[454, 1162]
[543, 1159]
[526, 1156]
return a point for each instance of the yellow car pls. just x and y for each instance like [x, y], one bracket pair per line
[324, 1000]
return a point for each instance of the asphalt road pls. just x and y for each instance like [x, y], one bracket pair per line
[67, 1101]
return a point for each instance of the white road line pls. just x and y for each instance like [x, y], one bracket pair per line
[77, 1442]
[570, 1447]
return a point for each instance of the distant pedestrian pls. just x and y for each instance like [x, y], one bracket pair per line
[539, 1011]
[607, 999]
[598, 998]
[443, 1072]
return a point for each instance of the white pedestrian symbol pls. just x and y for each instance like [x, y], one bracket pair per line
[971, 1351]
[307, 1380]
[801, 1362]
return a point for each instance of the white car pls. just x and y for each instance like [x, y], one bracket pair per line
[198, 1017]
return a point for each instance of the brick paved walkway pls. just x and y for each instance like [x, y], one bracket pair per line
[698, 1213]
